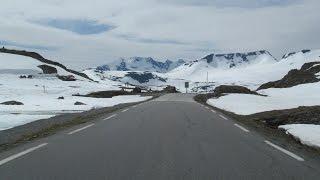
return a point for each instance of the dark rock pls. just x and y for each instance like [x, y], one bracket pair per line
[79, 103]
[12, 103]
[307, 74]
[48, 69]
[225, 89]
[30, 77]
[144, 77]
[170, 89]
[38, 57]
[61, 97]
[136, 90]
[300, 115]
[67, 78]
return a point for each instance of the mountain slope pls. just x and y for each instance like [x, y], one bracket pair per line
[140, 64]
[40, 58]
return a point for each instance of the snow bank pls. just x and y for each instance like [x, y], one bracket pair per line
[8, 121]
[277, 99]
[307, 134]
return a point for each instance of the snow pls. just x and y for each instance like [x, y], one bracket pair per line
[261, 70]
[40, 94]
[8, 121]
[277, 99]
[307, 134]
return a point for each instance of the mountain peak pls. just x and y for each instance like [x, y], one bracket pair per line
[141, 64]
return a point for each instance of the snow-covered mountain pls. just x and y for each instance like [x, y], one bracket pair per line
[293, 53]
[141, 64]
[233, 60]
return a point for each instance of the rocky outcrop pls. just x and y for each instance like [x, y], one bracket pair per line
[307, 74]
[144, 77]
[300, 115]
[46, 69]
[12, 103]
[227, 89]
[37, 56]
[79, 103]
[169, 89]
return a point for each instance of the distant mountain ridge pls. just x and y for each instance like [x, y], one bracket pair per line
[141, 64]
[231, 60]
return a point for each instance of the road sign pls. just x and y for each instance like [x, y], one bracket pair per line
[186, 84]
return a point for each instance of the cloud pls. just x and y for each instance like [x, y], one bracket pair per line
[88, 33]
[79, 26]
[234, 3]
[150, 40]
[26, 46]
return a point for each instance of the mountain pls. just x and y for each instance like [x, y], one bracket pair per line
[141, 64]
[250, 69]
[293, 53]
[232, 60]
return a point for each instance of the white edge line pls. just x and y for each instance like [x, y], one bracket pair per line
[80, 129]
[125, 110]
[110, 117]
[223, 117]
[10, 158]
[242, 128]
[213, 111]
[285, 151]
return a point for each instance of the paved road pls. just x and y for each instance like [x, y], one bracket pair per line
[168, 138]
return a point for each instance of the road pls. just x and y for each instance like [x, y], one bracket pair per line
[172, 137]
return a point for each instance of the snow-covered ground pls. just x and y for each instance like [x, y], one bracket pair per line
[307, 134]
[40, 94]
[276, 99]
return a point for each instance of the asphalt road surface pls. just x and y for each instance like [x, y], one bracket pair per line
[172, 137]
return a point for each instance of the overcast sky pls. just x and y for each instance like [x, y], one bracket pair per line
[86, 33]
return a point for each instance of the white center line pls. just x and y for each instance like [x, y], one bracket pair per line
[124, 110]
[10, 158]
[285, 151]
[223, 117]
[242, 128]
[110, 117]
[80, 129]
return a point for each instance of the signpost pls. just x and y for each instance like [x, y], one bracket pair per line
[186, 85]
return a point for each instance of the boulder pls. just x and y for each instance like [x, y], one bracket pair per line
[79, 103]
[170, 89]
[48, 69]
[12, 103]
[136, 90]
[61, 97]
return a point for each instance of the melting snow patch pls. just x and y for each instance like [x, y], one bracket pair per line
[307, 134]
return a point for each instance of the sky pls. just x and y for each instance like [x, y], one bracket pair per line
[88, 33]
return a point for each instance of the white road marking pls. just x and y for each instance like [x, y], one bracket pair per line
[80, 129]
[223, 117]
[134, 106]
[10, 158]
[285, 151]
[110, 117]
[124, 110]
[213, 111]
[242, 128]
